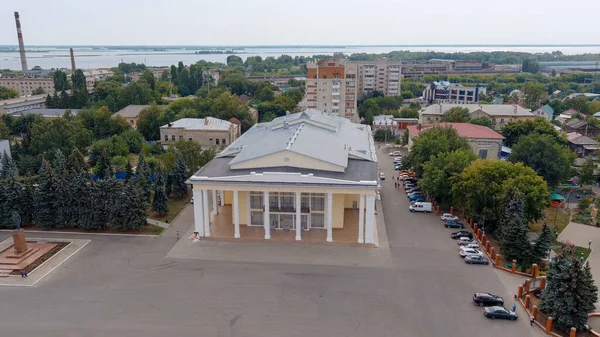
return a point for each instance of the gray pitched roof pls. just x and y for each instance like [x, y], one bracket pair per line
[206, 123]
[130, 111]
[491, 109]
[312, 133]
[583, 140]
[576, 123]
[45, 112]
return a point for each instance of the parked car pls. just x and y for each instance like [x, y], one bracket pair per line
[397, 167]
[420, 207]
[473, 245]
[463, 239]
[468, 242]
[414, 189]
[459, 234]
[476, 259]
[469, 251]
[408, 186]
[398, 159]
[448, 216]
[381, 176]
[418, 198]
[395, 153]
[414, 193]
[487, 300]
[454, 224]
[499, 312]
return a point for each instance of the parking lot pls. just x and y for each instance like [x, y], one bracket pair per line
[433, 280]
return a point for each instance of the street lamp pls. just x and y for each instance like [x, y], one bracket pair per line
[590, 245]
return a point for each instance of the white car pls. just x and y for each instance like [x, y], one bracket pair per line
[468, 242]
[395, 153]
[463, 239]
[397, 159]
[448, 217]
[381, 176]
[472, 245]
[469, 251]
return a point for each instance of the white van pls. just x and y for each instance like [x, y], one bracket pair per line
[421, 207]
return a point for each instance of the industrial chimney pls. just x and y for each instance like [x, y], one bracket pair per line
[21, 44]
[73, 61]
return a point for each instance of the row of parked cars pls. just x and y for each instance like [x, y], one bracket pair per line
[414, 194]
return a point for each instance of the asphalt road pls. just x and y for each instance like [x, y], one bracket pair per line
[124, 286]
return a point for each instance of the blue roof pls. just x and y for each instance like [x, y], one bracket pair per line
[548, 109]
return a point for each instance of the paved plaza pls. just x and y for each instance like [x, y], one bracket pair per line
[413, 285]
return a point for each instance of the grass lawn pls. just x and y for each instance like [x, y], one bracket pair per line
[175, 207]
[553, 216]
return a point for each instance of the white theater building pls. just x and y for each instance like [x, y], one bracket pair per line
[307, 176]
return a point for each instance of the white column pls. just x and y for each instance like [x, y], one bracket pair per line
[329, 215]
[370, 223]
[222, 194]
[236, 215]
[361, 219]
[215, 206]
[206, 213]
[298, 216]
[198, 214]
[266, 220]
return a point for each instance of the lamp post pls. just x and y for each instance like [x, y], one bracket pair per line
[590, 245]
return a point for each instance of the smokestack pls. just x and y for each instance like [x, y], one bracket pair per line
[73, 68]
[21, 44]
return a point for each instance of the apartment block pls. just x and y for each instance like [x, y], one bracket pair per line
[382, 76]
[26, 85]
[331, 86]
[446, 92]
[335, 85]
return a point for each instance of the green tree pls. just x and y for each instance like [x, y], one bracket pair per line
[514, 130]
[49, 134]
[143, 174]
[179, 177]
[8, 93]
[533, 94]
[128, 171]
[570, 293]
[148, 77]
[8, 167]
[430, 143]
[369, 108]
[38, 91]
[531, 65]
[541, 247]
[103, 166]
[409, 113]
[61, 83]
[384, 135]
[149, 122]
[76, 162]
[483, 121]
[160, 202]
[482, 189]
[545, 156]
[513, 231]
[439, 173]
[456, 115]
[43, 198]
[265, 94]
[4, 130]
[193, 156]
[10, 194]
[586, 173]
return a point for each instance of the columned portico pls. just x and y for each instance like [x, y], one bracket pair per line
[329, 214]
[222, 197]
[361, 219]
[267, 216]
[298, 216]
[236, 214]
[198, 212]
[206, 213]
[215, 207]
[370, 220]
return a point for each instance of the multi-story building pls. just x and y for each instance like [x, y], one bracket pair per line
[335, 85]
[307, 176]
[499, 114]
[26, 85]
[15, 105]
[331, 86]
[93, 75]
[446, 92]
[381, 75]
[207, 131]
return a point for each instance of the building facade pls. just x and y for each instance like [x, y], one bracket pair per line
[26, 85]
[383, 76]
[308, 173]
[331, 87]
[446, 92]
[131, 113]
[207, 131]
[485, 142]
[499, 114]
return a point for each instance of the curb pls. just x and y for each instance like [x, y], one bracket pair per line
[82, 233]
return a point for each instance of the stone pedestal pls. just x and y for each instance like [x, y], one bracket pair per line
[20, 245]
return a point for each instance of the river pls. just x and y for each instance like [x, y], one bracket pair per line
[91, 57]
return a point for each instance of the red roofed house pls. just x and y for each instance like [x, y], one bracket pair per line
[485, 142]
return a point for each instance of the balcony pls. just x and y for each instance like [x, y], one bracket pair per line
[335, 93]
[335, 100]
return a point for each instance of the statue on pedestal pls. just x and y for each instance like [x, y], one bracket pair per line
[16, 218]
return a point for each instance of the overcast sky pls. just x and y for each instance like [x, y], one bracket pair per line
[304, 22]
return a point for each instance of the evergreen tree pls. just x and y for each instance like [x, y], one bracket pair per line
[79, 199]
[137, 214]
[10, 197]
[142, 171]
[103, 167]
[76, 162]
[94, 216]
[179, 177]
[513, 231]
[62, 208]
[541, 247]
[169, 185]
[160, 201]
[43, 198]
[8, 167]
[128, 171]
[27, 201]
[570, 293]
